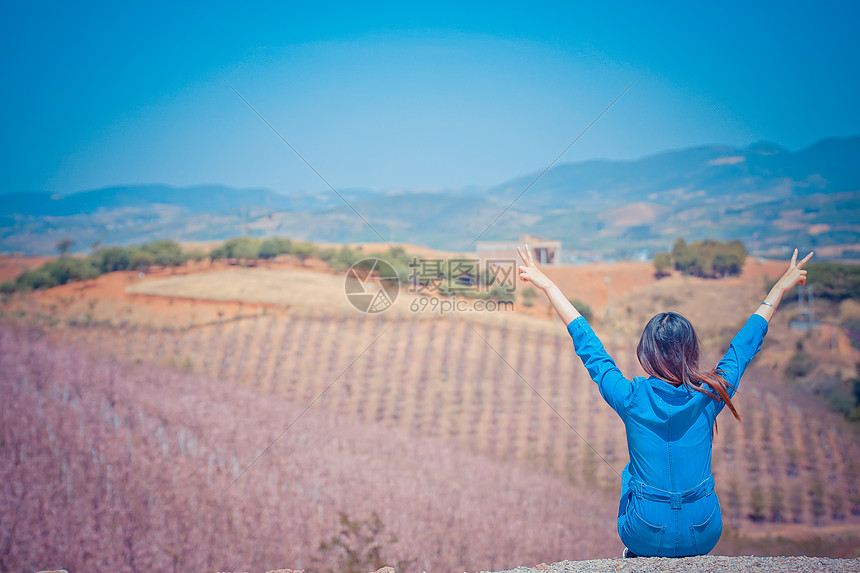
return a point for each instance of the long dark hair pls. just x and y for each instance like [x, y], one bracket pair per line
[669, 350]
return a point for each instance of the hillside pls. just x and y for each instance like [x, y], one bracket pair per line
[763, 194]
[183, 376]
[110, 467]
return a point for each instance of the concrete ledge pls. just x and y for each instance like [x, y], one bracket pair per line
[698, 564]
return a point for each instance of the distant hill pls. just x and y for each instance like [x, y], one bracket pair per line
[763, 194]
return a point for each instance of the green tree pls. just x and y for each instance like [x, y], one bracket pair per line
[110, 259]
[140, 259]
[165, 253]
[237, 248]
[246, 251]
[55, 273]
[35, 279]
[274, 246]
[304, 250]
[708, 258]
[662, 262]
[834, 281]
[67, 269]
[344, 258]
[682, 255]
[195, 255]
[270, 248]
[64, 246]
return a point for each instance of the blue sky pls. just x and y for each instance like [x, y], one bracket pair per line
[405, 96]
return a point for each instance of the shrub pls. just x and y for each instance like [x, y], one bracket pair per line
[327, 254]
[358, 547]
[583, 309]
[799, 365]
[140, 259]
[344, 258]
[165, 253]
[56, 273]
[758, 503]
[247, 250]
[110, 259]
[304, 250]
[274, 246]
[66, 269]
[835, 281]
[501, 293]
[240, 248]
[662, 262]
[195, 255]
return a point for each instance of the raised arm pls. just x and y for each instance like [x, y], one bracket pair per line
[613, 386]
[794, 275]
[530, 273]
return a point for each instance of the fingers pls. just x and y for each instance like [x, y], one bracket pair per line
[805, 260]
[531, 258]
[522, 256]
[793, 259]
[524, 273]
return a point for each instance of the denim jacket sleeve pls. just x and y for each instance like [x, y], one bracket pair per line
[613, 386]
[745, 345]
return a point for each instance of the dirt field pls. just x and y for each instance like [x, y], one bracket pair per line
[11, 267]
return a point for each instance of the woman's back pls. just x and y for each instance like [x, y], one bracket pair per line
[669, 428]
[668, 434]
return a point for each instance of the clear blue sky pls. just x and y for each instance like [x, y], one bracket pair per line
[405, 95]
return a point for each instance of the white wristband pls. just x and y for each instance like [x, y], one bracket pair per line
[767, 303]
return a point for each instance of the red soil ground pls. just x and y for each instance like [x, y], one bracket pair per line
[11, 266]
[105, 298]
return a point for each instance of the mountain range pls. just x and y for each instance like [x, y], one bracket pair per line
[763, 194]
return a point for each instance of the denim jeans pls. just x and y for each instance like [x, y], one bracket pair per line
[656, 523]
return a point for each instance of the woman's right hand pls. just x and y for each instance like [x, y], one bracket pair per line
[795, 274]
[530, 272]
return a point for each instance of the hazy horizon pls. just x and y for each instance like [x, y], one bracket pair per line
[321, 188]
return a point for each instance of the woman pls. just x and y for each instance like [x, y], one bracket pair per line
[668, 505]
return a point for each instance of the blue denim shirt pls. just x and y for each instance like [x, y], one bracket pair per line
[669, 428]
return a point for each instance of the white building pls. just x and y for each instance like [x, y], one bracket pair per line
[544, 252]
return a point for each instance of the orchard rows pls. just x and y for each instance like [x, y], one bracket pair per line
[490, 388]
[110, 467]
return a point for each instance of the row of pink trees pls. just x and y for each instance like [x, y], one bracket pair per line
[111, 467]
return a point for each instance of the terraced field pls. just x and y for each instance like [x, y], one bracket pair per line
[516, 394]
